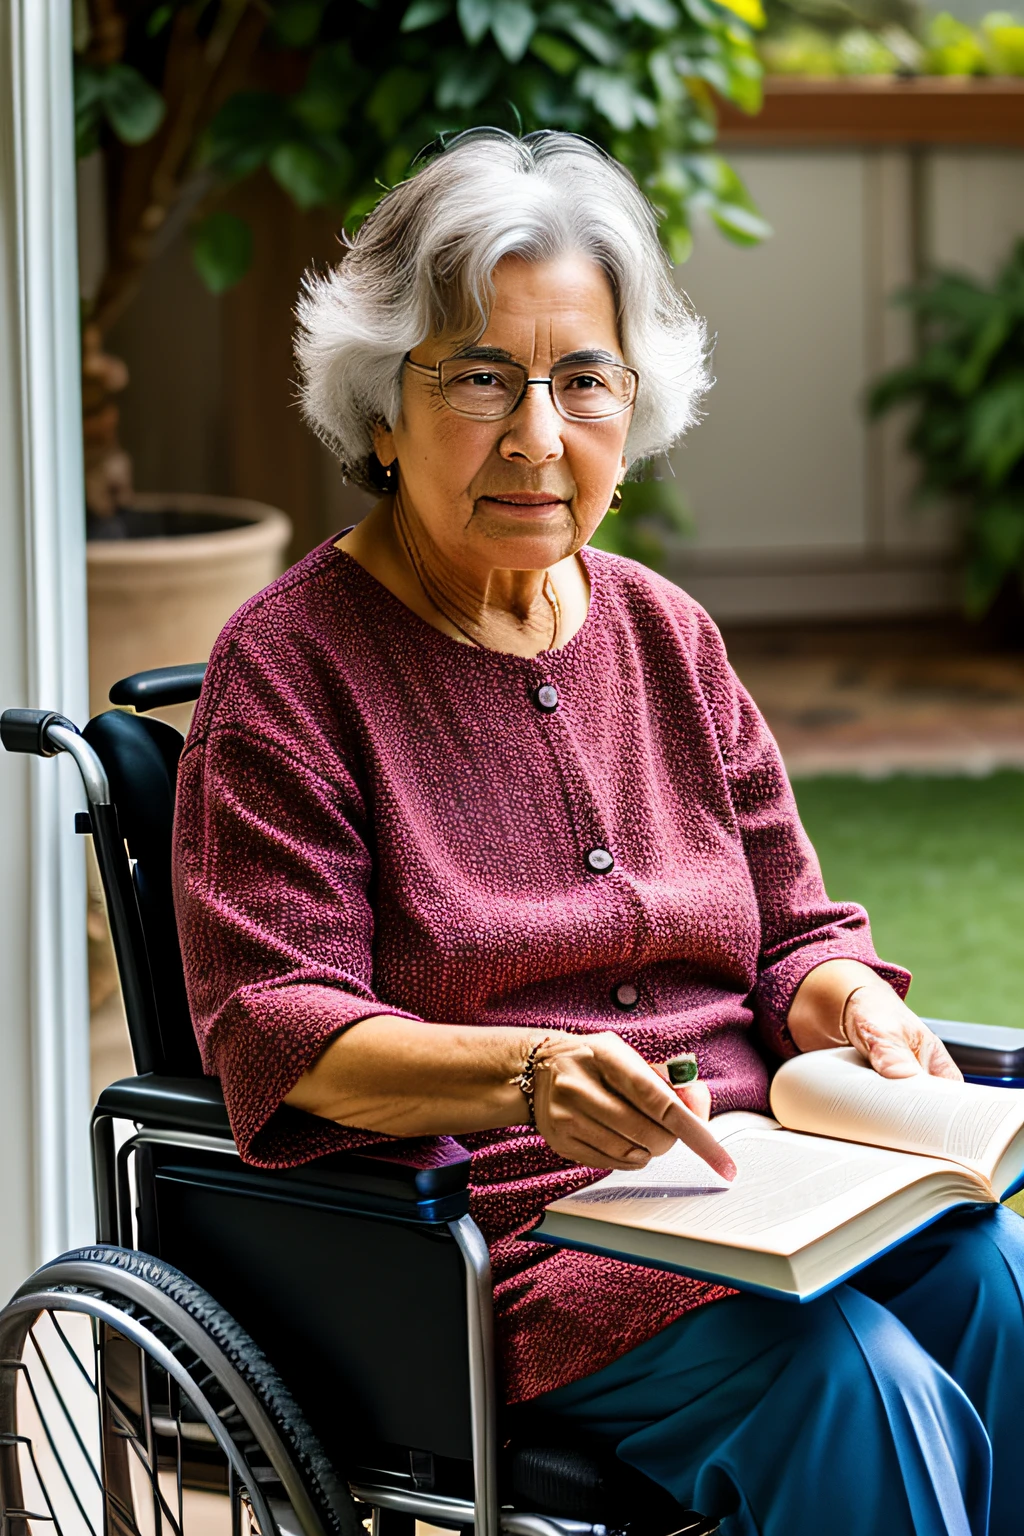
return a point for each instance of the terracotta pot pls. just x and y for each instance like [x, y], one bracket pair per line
[154, 601]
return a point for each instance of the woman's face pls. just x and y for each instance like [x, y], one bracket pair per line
[525, 491]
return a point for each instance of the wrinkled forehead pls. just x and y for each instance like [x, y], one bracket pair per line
[538, 311]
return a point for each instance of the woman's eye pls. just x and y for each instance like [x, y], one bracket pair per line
[478, 380]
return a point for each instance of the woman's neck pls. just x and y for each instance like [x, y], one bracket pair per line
[519, 612]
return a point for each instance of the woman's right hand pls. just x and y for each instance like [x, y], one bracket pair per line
[597, 1102]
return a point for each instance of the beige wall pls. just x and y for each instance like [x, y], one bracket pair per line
[801, 507]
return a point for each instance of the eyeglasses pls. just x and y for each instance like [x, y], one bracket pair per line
[485, 391]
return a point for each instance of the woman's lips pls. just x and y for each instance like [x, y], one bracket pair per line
[525, 505]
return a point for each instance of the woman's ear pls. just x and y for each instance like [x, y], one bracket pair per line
[384, 444]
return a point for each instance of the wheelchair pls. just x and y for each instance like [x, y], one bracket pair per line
[248, 1353]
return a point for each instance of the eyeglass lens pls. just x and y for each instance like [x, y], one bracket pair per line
[580, 390]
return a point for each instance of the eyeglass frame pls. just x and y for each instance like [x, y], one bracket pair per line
[434, 372]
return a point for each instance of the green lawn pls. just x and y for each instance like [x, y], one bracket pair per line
[939, 864]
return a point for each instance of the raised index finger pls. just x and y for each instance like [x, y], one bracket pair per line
[631, 1077]
[682, 1122]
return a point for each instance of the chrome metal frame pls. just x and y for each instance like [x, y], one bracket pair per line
[482, 1392]
[457, 1514]
[94, 775]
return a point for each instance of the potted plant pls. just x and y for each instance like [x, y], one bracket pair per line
[967, 429]
[164, 571]
[333, 98]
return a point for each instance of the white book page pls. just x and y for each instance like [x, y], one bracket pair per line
[677, 1171]
[789, 1191]
[836, 1093]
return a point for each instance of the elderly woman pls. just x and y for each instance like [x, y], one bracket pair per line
[477, 828]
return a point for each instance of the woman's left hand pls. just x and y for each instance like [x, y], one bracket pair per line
[892, 1037]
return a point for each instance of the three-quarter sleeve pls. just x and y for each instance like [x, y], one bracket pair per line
[272, 875]
[800, 927]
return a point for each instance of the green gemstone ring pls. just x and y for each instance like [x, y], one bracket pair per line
[682, 1069]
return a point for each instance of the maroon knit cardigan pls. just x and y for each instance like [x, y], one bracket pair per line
[373, 818]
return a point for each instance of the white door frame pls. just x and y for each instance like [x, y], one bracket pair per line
[45, 1198]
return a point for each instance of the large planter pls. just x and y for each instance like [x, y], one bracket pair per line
[162, 594]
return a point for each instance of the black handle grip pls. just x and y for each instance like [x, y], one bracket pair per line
[24, 730]
[160, 688]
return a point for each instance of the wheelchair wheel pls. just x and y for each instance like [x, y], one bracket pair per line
[131, 1404]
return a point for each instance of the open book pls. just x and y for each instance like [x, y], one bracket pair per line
[851, 1165]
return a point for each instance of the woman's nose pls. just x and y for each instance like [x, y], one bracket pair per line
[535, 431]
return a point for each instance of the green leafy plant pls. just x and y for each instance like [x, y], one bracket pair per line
[967, 387]
[335, 98]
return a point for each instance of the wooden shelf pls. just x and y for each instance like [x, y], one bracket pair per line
[804, 113]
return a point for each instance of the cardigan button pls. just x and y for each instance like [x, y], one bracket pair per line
[600, 861]
[546, 697]
[626, 996]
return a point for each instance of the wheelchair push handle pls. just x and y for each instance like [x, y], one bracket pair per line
[27, 730]
[44, 733]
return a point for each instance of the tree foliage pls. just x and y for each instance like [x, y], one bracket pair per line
[336, 98]
[967, 390]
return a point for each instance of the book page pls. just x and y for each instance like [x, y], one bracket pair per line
[677, 1171]
[836, 1093]
[789, 1191]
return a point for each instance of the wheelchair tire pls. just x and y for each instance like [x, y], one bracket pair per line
[132, 1404]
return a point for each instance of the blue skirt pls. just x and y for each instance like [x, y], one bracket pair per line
[893, 1406]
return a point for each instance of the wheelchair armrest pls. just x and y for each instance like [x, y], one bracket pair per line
[194, 1104]
[983, 1051]
[392, 1174]
[159, 687]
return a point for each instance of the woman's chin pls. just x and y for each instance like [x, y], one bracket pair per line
[536, 535]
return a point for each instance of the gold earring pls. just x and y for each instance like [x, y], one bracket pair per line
[616, 501]
[391, 476]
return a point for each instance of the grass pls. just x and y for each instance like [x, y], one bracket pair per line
[939, 865]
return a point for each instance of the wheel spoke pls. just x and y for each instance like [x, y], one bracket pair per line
[64, 1407]
[147, 1461]
[169, 1447]
[45, 1491]
[72, 1351]
[151, 1453]
[174, 1408]
[58, 1458]
[236, 1504]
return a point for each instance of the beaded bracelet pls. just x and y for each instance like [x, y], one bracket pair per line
[524, 1080]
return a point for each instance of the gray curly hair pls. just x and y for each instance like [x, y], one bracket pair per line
[422, 261]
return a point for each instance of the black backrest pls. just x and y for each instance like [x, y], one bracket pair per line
[141, 760]
[345, 1271]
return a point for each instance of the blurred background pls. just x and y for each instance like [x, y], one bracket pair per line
[841, 184]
